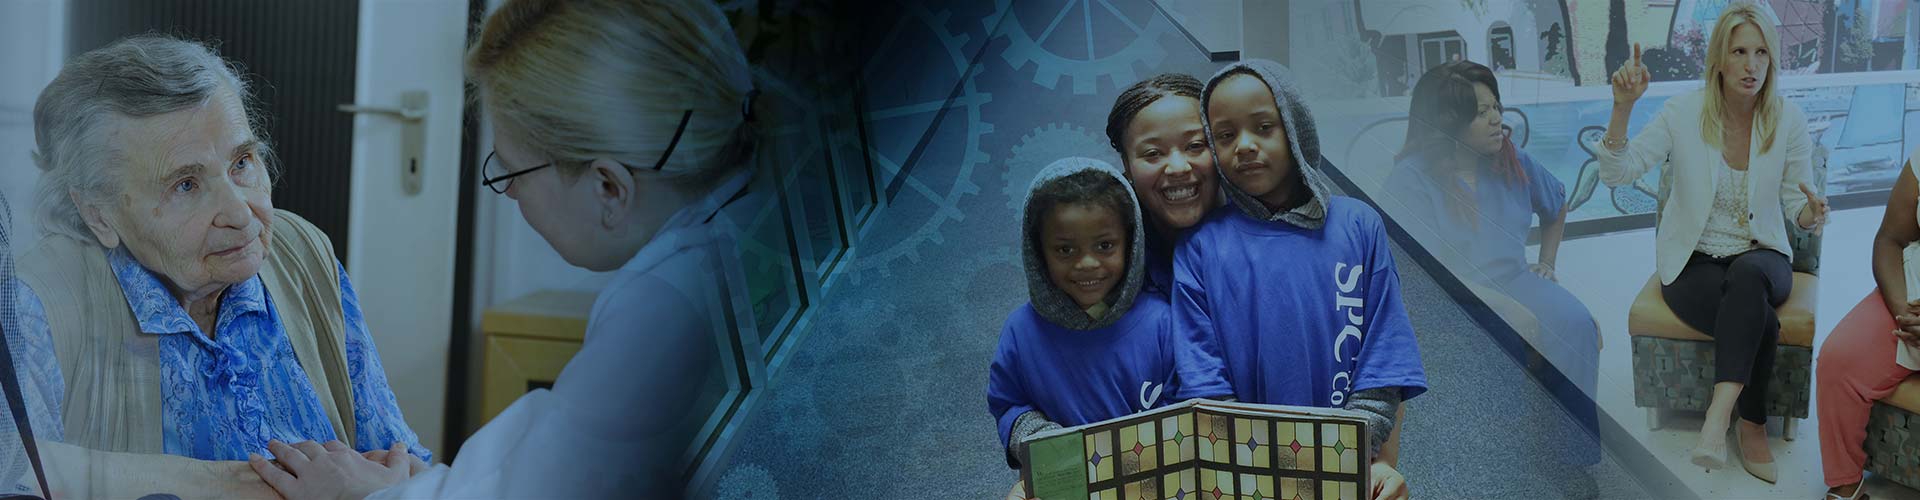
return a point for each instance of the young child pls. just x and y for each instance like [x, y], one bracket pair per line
[1290, 296]
[1088, 346]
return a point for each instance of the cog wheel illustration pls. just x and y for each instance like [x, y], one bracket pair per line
[1077, 58]
[748, 482]
[797, 419]
[928, 201]
[997, 277]
[1046, 144]
[872, 326]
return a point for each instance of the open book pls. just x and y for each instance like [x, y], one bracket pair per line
[1204, 449]
[1903, 354]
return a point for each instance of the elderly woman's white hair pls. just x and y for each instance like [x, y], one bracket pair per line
[135, 77]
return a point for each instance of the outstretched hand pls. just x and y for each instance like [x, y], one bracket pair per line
[1814, 216]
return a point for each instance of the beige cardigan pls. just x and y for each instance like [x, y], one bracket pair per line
[112, 369]
[1673, 139]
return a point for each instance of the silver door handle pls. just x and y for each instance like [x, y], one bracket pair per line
[408, 114]
[413, 135]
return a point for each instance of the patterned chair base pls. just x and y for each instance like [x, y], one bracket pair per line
[1673, 363]
[1893, 444]
[1678, 375]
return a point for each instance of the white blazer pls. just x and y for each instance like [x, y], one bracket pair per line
[1673, 138]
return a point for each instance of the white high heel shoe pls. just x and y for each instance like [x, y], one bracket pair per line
[1765, 471]
[1710, 458]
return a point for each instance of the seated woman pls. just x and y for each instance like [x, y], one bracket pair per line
[1459, 175]
[1856, 365]
[171, 310]
[1740, 159]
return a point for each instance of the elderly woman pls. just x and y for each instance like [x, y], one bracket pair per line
[74, 472]
[171, 310]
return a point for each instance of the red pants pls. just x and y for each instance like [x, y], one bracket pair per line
[1855, 368]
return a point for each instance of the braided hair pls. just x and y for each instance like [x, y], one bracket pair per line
[1138, 97]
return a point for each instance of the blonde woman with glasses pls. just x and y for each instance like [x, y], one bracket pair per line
[621, 128]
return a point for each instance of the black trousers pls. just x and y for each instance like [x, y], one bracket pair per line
[1732, 299]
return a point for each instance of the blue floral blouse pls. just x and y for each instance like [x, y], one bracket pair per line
[226, 396]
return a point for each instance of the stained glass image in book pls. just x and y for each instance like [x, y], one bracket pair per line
[1206, 450]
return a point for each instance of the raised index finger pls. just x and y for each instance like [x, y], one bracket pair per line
[1636, 53]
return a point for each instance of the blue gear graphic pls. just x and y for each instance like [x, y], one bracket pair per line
[797, 419]
[1023, 49]
[1041, 148]
[868, 257]
[748, 482]
[799, 423]
[997, 254]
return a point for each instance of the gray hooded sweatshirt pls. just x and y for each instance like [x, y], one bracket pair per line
[1302, 139]
[1378, 404]
[1052, 303]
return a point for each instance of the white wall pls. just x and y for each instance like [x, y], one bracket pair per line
[29, 32]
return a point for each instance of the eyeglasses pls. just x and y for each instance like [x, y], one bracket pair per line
[497, 178]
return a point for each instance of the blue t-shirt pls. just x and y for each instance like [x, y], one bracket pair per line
[1277, 314]
[1078, 377]
[1502, 211]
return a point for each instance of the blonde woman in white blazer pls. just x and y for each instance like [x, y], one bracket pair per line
[1740, 159]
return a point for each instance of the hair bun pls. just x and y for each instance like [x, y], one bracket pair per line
[746, 105]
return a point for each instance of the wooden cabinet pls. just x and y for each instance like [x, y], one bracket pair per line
[528, 341]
